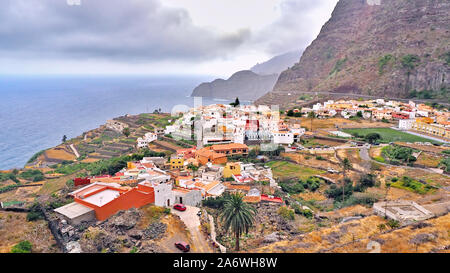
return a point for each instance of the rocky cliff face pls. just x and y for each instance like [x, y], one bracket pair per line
[249, 84]
[385, 50]
[246, 85]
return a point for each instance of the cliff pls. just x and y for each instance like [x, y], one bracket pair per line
[246, 85]
[386, 50]
[249, 84]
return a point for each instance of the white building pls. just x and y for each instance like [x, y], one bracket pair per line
[405, 124]
[147, 139]
[283, 137]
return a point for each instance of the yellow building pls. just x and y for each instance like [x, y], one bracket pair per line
[232, 168]
[131, 165]
[176, 163]
[432, 129]
[424, 120]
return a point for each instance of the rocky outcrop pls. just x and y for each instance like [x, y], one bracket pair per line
[384, 50]
[246, 85]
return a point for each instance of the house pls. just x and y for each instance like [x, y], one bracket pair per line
[400, 115]
[232, 168]
[164, 196]
[230, 149]
[159, 162]
[176, 163]
[143, 142]
[187, 197]
[283, 137]
[271, 199]
[206, 155]
[211, 175]
[232, 187]
[406, 124]
[106, 199]
[187, 153]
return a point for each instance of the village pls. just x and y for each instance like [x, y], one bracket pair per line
[378, 164]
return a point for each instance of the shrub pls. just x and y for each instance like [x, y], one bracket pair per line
[410, 184]
[446, 163]
[35, 213]
[292, 186]
[304, 212]
[383, 62]
[312, 183]
[33, 175]
[22, 247]
[393, 223]
[216, 202]
[70, 183]
[286, 213]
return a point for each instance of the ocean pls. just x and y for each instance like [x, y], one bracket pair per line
[35, 112]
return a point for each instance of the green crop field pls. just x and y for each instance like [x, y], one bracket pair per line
[389, 135]
[283, 169]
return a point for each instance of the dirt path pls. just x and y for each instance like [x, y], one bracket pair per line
[74, 150]
[192, 222]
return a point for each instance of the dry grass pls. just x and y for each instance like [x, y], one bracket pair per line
[59, 153]
[354, 236]
[14, 228]
[327, 238]
[330, 123]
[400, 241]
[311, 161]
[311, 196]
[428, 160]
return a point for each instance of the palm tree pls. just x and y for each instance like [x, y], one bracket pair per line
[237, 216]
[346, 165]
[311, 116]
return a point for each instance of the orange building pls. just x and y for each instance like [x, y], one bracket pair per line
[107, 200]
[187, 153]
[230, 149]
[206, 155]
[217, 154]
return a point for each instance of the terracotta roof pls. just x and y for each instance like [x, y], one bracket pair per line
[230, 186]
[205, 152]
[252, 199]
[229, 146]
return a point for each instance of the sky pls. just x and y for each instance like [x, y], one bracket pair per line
[209, 37]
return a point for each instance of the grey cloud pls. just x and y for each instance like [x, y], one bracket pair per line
[131, 30]
[299, 23]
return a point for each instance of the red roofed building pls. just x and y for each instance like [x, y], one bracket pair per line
[272, 199]
[106, 200]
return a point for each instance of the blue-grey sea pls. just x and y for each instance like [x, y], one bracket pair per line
[36, 111]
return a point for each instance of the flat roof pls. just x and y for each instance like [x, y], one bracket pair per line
[73, 210]
[102, 198]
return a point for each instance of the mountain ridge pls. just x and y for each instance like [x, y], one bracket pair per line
[248, 84]
[386, 50]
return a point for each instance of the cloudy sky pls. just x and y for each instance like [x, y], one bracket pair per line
[214, 37]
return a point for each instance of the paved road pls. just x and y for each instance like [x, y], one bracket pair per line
[192, 222]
